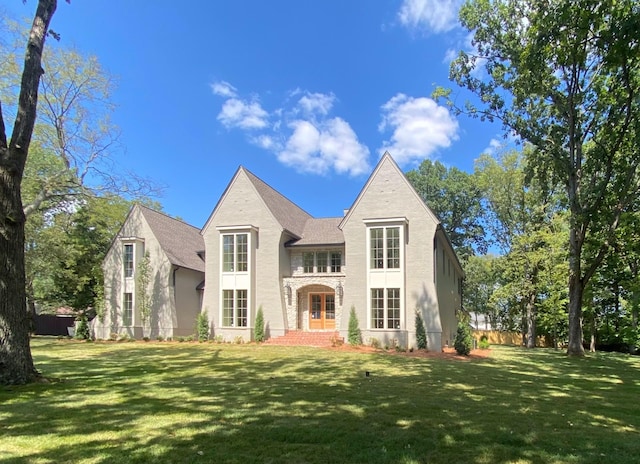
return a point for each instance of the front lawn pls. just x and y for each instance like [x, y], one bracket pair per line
[210, 403]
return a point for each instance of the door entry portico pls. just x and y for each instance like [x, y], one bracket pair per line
[322, 314]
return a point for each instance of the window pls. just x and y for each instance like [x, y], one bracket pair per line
[377, 248]
[377, 308]
[128, 260]
[235, 253]
[321, 261]
[127, 313]
[234, 308]
[385, 311]
[385, 247]
[393, 248]
[307, 262]
[336, 261]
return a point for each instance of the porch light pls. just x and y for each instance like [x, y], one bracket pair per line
[287, 289]
[339, 290]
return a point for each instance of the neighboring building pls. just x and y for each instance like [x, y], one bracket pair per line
[176, 275]
[387, 257]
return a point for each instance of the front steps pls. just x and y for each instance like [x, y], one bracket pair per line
[301, 338]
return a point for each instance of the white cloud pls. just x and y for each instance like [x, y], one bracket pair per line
[243, 114]
[319, 147]
[420, 127]
[300, 133]
[223, 89]
[432, 15]
[316, 103]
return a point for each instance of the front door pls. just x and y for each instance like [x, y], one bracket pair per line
[322, 314]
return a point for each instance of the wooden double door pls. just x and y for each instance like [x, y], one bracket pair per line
[322, 311]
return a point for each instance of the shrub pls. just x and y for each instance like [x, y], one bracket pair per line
[421, 333]
[258, 331]
[82, 330]
[355, 337]
[202, 326]
[219, 339]
[374, 343]
[464, 341]
[239, 340]
[160, 338]
[484, 343]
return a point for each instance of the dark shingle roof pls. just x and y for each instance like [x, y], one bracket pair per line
[290, 216]
[180, 241]
[323, 231]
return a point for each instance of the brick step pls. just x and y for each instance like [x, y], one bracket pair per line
[301, 338]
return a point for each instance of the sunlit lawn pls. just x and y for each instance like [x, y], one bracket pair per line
[209, 403]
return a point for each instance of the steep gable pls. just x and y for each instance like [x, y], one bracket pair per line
[290, 216]
[180, 241]
[387, 162]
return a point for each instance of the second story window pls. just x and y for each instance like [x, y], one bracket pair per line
[384, 245]
[235, 252]
[336, 261]
[321, 262]
[128, 260]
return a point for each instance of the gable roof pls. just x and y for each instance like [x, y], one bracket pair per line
[322, 231]
[387, 159]
[290, 216]
[180, 241]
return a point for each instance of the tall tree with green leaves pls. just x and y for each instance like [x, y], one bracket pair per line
[456, 200]
[16, 362]
[564, 75]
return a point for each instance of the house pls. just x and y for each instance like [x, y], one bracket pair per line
[387, 257]
[175, 278]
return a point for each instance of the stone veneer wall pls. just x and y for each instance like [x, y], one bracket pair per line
[298, 317]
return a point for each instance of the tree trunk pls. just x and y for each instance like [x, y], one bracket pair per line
[531, 321]
[16, 363]
[576, 289]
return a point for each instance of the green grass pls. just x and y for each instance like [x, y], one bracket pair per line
[208, 403]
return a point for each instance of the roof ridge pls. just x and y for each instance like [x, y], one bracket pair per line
[253, 177]
[166, 215]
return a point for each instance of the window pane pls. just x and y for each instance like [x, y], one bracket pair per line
[377, 248]
[393, 248]
[393, 308]
[227, 253]
[307, 259]
[336, 261]
[330, 307]
[241, 308]
[316, 307]
[127, 313]
[227, 308]
[242, 257]
[377, 308]
[128, 260]
[322, 257]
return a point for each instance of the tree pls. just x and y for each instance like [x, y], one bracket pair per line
[564, 75]
[74, 128]
[355, 336]
[464, 341]
[16, 362]
[454, 197]
[259, 329]
[143, 279]
[421, 334]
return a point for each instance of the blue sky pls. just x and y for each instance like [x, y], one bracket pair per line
[306, 95]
